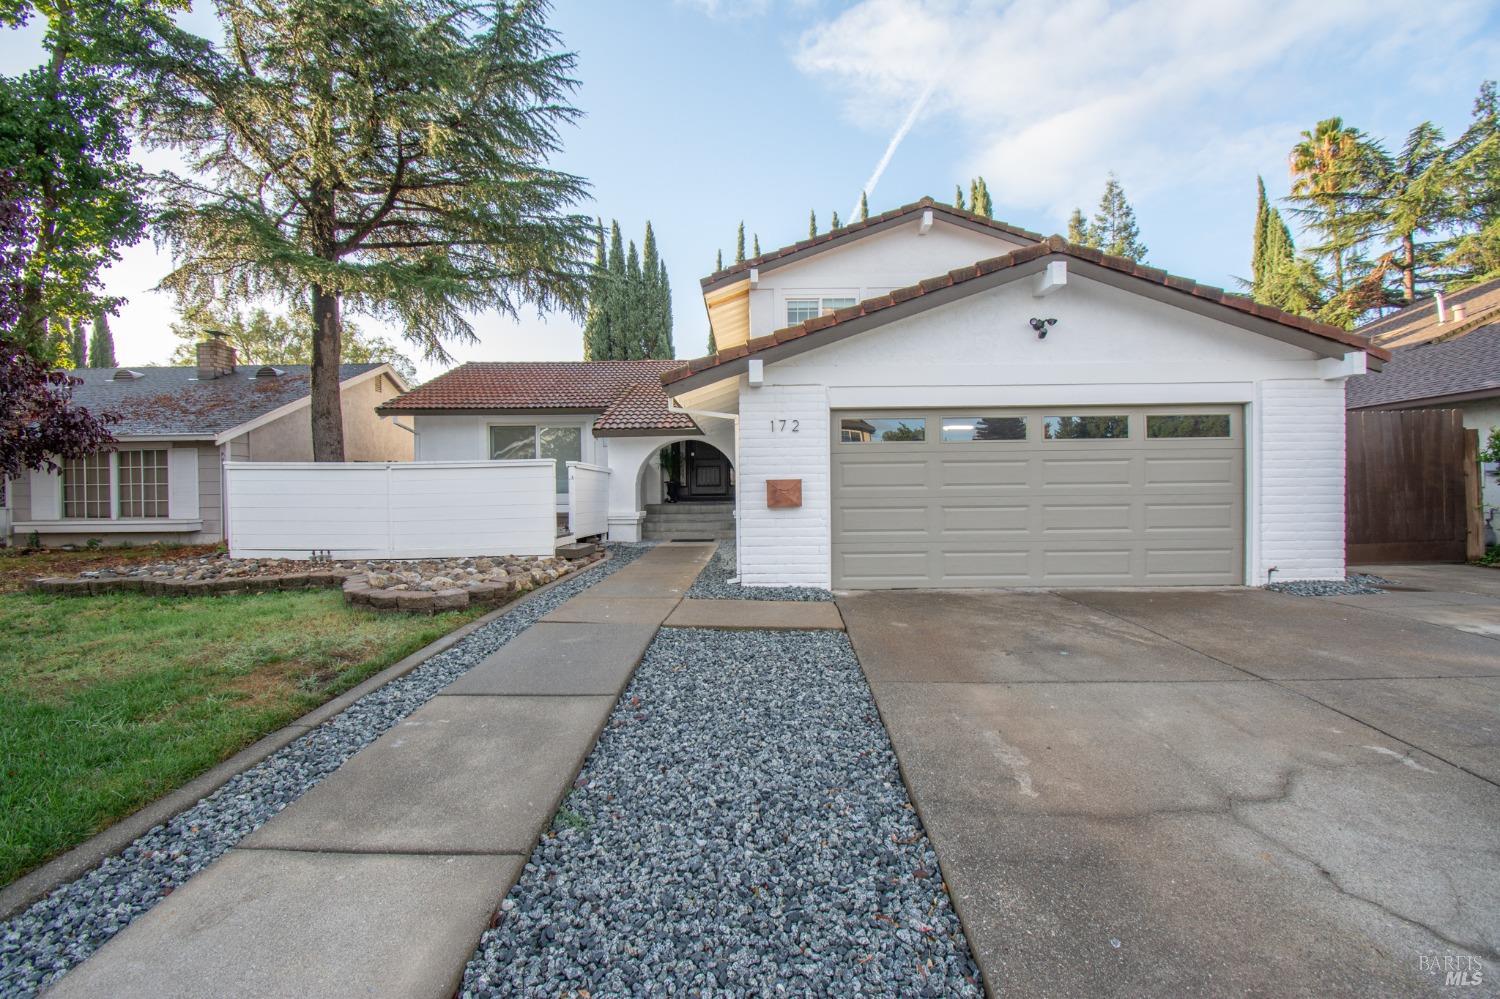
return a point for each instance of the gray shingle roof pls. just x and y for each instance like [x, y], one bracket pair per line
[1418, 323]
[1459, 366]
[172, 401]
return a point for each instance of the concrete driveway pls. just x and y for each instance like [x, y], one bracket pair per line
[1206, 792]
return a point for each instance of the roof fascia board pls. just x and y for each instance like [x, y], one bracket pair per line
[1429, 401]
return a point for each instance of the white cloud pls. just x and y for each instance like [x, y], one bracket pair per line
[1051, 95]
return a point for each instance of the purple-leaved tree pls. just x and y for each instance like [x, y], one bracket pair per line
[39, 422]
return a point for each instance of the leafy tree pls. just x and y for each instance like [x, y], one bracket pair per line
[903, 432]
[384, 157]
[958, 197]
[64, 136]
[739, 245]
[864, 206]
[1081, 427]
[260, 337]
[979, 198]
[1113, 228]
[1337, 177]
[812, 223]
[1078, 229]
[39, 424]
[834, 223]
[102, 344]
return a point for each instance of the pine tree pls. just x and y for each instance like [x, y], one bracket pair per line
[102, 344]
[812, 223]
[834, 224]
[1473, 255]
[1337, 178]
[864, 206]
[755, 249]
[1078, 230]
[1113, 229]
[596, 321]
[78, 349]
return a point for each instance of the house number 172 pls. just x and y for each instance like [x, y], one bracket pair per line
[780, 426]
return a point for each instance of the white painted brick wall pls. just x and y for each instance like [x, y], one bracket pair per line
[1299, 477]
[784, 547]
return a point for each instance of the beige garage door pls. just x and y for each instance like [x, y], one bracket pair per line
[1039, 497]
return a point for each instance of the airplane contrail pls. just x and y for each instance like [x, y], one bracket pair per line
[890, 150]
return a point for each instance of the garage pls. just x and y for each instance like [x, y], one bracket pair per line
[1057, 496]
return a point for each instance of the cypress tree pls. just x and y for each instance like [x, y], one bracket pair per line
[634, 325]
[958, 197]
[666, 348]
[864, 206]
[1258, 270]
[812, 223]
[835, 223]
[713, 348]
[718, 260]
[755, 250]
[979, 198]
[102, 344]
[596, 322]
[739, 244]
[616, 303]
[78, 347]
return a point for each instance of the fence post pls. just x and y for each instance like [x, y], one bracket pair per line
[1473, 496]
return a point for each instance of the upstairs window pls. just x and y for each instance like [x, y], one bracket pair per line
[800, 310]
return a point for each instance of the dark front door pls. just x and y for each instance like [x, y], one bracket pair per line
[708, 475]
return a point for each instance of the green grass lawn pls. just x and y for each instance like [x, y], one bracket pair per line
[109, 702]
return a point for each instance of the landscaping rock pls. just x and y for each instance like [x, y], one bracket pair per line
[414, 601]
[451, 598]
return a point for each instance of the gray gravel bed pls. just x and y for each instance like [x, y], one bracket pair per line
[68, 925]
[713, 583]
[741, 829]
[1353, 584]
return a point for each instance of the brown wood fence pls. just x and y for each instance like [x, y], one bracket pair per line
[1411, 486]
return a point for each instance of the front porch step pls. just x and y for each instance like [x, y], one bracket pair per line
[686, 534]
[724, 508]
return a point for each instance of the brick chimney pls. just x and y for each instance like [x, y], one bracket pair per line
[215, 357]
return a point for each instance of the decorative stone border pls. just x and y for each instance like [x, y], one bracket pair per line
[354, 583]
[357, 590]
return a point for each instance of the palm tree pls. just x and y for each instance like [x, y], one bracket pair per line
[1336, 179]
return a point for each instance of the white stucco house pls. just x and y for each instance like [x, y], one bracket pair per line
[929, 398]
[164, 480]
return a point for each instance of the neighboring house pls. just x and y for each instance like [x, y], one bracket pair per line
[1442, 316]
[1452, 362]
[178, 425]
[942, 432]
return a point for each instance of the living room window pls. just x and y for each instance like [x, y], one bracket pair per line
[117, 484]
[518, 443]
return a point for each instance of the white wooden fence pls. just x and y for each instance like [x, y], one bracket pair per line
[588, 499]
[413, 509]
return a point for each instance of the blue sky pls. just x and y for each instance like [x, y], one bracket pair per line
[700, 113]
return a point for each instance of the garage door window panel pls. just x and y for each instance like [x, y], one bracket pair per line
[882, 430]
[1169, 426]
[983, 429]
[1086, 427]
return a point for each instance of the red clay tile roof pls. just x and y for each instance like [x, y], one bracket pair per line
[855, 228]
[627, 394]
[1043, 248]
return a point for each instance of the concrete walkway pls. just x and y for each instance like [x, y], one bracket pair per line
[379, 881]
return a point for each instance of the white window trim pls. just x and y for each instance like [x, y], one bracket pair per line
[126, 523]
[821, 295]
